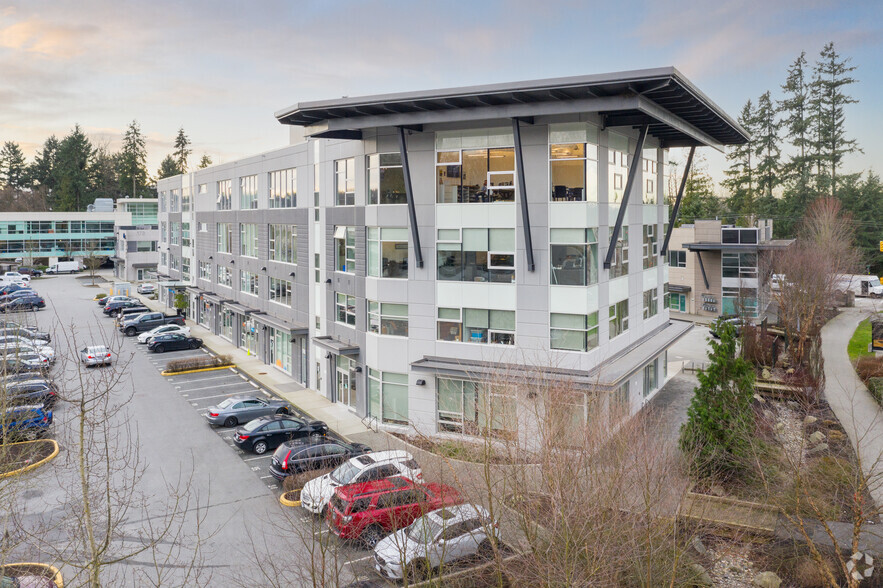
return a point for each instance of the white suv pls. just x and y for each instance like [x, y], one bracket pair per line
[363, 468]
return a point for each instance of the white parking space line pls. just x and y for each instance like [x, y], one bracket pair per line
[215, 396]
[201, 379]
[352, 561]
[265, 477]
[258, 457]
[215, 387]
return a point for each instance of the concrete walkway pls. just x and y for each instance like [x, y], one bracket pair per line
[858, 412]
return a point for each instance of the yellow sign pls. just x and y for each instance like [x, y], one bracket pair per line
[881, 246]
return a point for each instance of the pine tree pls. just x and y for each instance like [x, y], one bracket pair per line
[204, 162]
[132, 162]
[818, 163]
[741, 173]
[833, 75]
[795, 109]
[167, 168]
[43, 172]
[182, 151]
[75, 155]
[767, 148]
[103, 174]
[13, 168]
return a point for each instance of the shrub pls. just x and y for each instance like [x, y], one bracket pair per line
[197, 363]
[755, 347]
[875, 387]
[297, 481]
[101, 295]
[869, 367]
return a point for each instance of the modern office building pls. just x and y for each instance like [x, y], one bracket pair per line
[722, 270]
[137, 253]
[408, 249]
[45, 237]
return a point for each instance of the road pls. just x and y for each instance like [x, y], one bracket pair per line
[229, 506]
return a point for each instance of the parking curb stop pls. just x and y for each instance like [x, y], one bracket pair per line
[286, 502]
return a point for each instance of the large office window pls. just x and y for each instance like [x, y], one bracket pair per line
[280, 291]
[739, 301]
[345, 249]
[385, 318]
[388, 252]
[651, 377]
[248, 283]
[225, 276]
[388, 396]
[225, 238]
[573, 332]
[345, 182]
[474, 409]
[619, 318]
[476, 255]
[248, 240]
[739, 265]
[224, 200]
[573, 162]
[282, 188]
[476, 325]
[283, 243]
[386, 182]
[620, 264]
[574, 256]
[650, 247]
[345, 307]
[248, 192]
[677, 258]
[476, 175]
[651, 303]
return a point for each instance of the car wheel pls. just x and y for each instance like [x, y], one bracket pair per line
[372, 536]
[282, 410]
[418, 570]
[131, 332]
[260, 447]
[159, 349]
[230, 422]
[194, 345]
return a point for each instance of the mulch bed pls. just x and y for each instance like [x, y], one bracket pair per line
[463, 451]
[16, 456]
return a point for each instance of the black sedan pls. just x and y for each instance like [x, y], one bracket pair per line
[31, 392]
[173, 342]
[269, 432]
[314, 453]
[23, 303]
[10, 288]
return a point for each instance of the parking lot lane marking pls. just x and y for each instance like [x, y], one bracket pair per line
[254, 458]
[215, 387]
[194, 404]
[202, 379]
[265, 477]
[217, 396]
[234, 370]
[256, 468]
[267, 394]
[253, 384]
[243, 377]
[352, 561]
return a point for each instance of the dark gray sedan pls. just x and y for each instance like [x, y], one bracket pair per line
[241, 409]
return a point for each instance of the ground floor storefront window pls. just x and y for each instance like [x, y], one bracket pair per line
[248, 336]
[227, 325]
[475, 408]
[205, 313]
[388, 396]
[280, 350]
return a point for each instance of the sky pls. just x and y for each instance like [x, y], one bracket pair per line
[221, 68]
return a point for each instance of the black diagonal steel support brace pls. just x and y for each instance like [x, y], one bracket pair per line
[623, 206]
[702, 267]
[677, 206]
[409, 194]
[522, 195]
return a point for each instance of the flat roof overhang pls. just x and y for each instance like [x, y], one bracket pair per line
[280, 324]
[740, 247]
[678, 114]
[336, 346]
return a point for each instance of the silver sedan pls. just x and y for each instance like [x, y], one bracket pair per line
[241, 409]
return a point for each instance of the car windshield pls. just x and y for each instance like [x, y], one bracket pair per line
[345, 473]
[252, 425]
[226, 403]
[423, 530]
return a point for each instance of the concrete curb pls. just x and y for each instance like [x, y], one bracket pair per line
[32, 466]
[209, 369]
[55, 573]
[286, 502]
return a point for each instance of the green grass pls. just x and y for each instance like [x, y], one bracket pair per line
[858, 345]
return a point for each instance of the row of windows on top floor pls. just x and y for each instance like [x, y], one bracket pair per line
[463, 255]
[463, 175]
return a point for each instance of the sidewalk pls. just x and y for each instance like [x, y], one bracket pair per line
[858, 412]
[691, 318]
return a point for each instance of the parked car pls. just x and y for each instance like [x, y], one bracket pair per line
[30, 302]
[18, 294]
[148, 321]
[96, 355]
[146, 289]
[242, 409]
[9, 288]
[736, 321]
[372, 466]
[312, 453]
[34, 335]
[26, 422]
[104, 301]
[23, 362]
[438, 537]
[368, 511]
[173, 342]
[30, 271]
[129, 314]
[14, 277]
[165, 329]
[31, 392]
[22, 376]
[62, 267]
[113, 307]
[13, 348]
[269, 432]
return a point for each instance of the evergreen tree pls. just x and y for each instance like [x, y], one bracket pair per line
[741, 173]
[820, 178]
[13, 168]
[75, 156]
[795, 110]
[43, 172]
[167, 168]
[103, 174]
[182, 151]
[699, 201]
[132, 163]
[767, 150]
[833, 76]
[720, 420]
[204, 162]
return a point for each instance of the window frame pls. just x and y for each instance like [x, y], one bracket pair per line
[618, 319]
[279, 291]
[342, 244]
[248, 240]
[282, 188]
[345, 309]
[345, 181]
[248, 192]
[380, 321]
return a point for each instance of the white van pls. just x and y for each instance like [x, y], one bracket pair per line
[859, 285]
[63, 267]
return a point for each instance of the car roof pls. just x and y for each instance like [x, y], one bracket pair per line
[240, 397]
[94, 348]
[352, 491]
[305, 443]
[450, 515]
[390, 455]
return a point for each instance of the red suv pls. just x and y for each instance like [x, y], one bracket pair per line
[369, 510]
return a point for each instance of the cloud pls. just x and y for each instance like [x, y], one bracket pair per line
[44, 38]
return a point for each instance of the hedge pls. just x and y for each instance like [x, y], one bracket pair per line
[197, 363]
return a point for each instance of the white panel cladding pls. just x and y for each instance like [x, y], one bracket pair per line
[665, 269]
[570, 299]
[650, 277]
[454, 216]
[651, 213]
[619, 289]
[476, 295]
[738, 282]
[387, 290]
[573, 214]
[388, 354]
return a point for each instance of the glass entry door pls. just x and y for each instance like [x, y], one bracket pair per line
[346, 381]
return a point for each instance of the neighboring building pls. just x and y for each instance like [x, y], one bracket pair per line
[721, 270]
[47, 237]
[137, 253]
[408, 247]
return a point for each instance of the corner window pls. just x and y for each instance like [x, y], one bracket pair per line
[651, 303]
[573, 332]
[476, 175]
[388, 319]
[345, 307]
[345, 249]
[386, 181]
[650, 247]
[574, 256]
[225, 195]
[388, 252]
[345, 179]
[476, 255]
[282, 188]
[620, 264]
[619, 318]
[476, 325]
[248, 192]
